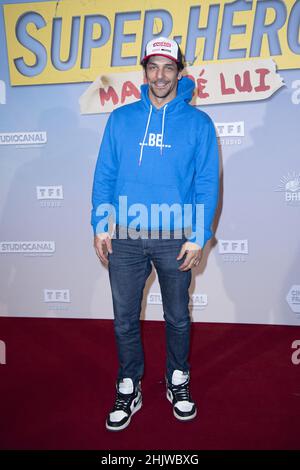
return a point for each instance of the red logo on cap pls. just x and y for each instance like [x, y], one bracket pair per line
[167, 44]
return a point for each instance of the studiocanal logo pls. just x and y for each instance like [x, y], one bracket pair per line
[198, 301]
[28, 248]
[290, 186]
[21, 139]
[230, 133]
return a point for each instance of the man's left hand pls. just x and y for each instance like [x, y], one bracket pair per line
[193, 256]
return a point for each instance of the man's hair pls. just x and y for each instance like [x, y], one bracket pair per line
[180, 63]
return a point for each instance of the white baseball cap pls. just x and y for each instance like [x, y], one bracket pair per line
[165, 47]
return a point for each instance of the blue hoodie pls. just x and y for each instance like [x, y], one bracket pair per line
[154, 157]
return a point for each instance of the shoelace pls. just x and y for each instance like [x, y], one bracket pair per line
[181, 392]
[123, 401]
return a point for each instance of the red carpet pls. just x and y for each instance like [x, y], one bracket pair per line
[58, 384]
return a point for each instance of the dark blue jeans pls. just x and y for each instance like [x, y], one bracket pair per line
[129, 267]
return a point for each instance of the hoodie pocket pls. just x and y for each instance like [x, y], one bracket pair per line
[147, 194]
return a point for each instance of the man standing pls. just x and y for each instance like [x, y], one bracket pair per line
[158, 157]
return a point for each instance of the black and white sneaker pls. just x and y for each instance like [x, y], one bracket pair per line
[178, 394]
[128, 401]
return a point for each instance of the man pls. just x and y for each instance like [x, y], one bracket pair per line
[157, 153]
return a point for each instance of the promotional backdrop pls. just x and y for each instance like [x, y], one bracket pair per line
[64, 66]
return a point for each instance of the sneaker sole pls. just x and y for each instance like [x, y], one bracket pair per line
[181, 418]
[120, 428]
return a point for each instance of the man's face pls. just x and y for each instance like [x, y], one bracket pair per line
[162, 76]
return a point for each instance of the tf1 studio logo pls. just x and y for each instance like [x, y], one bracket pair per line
[233, 250]
[50, 196]
[57, 299]
[57, 295]
[230, 133]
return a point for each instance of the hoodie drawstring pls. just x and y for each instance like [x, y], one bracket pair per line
[146, 131]
[163, 130]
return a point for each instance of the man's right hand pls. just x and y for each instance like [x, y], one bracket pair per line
[102, 245]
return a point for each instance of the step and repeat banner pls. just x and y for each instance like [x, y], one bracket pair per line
[64, 66]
